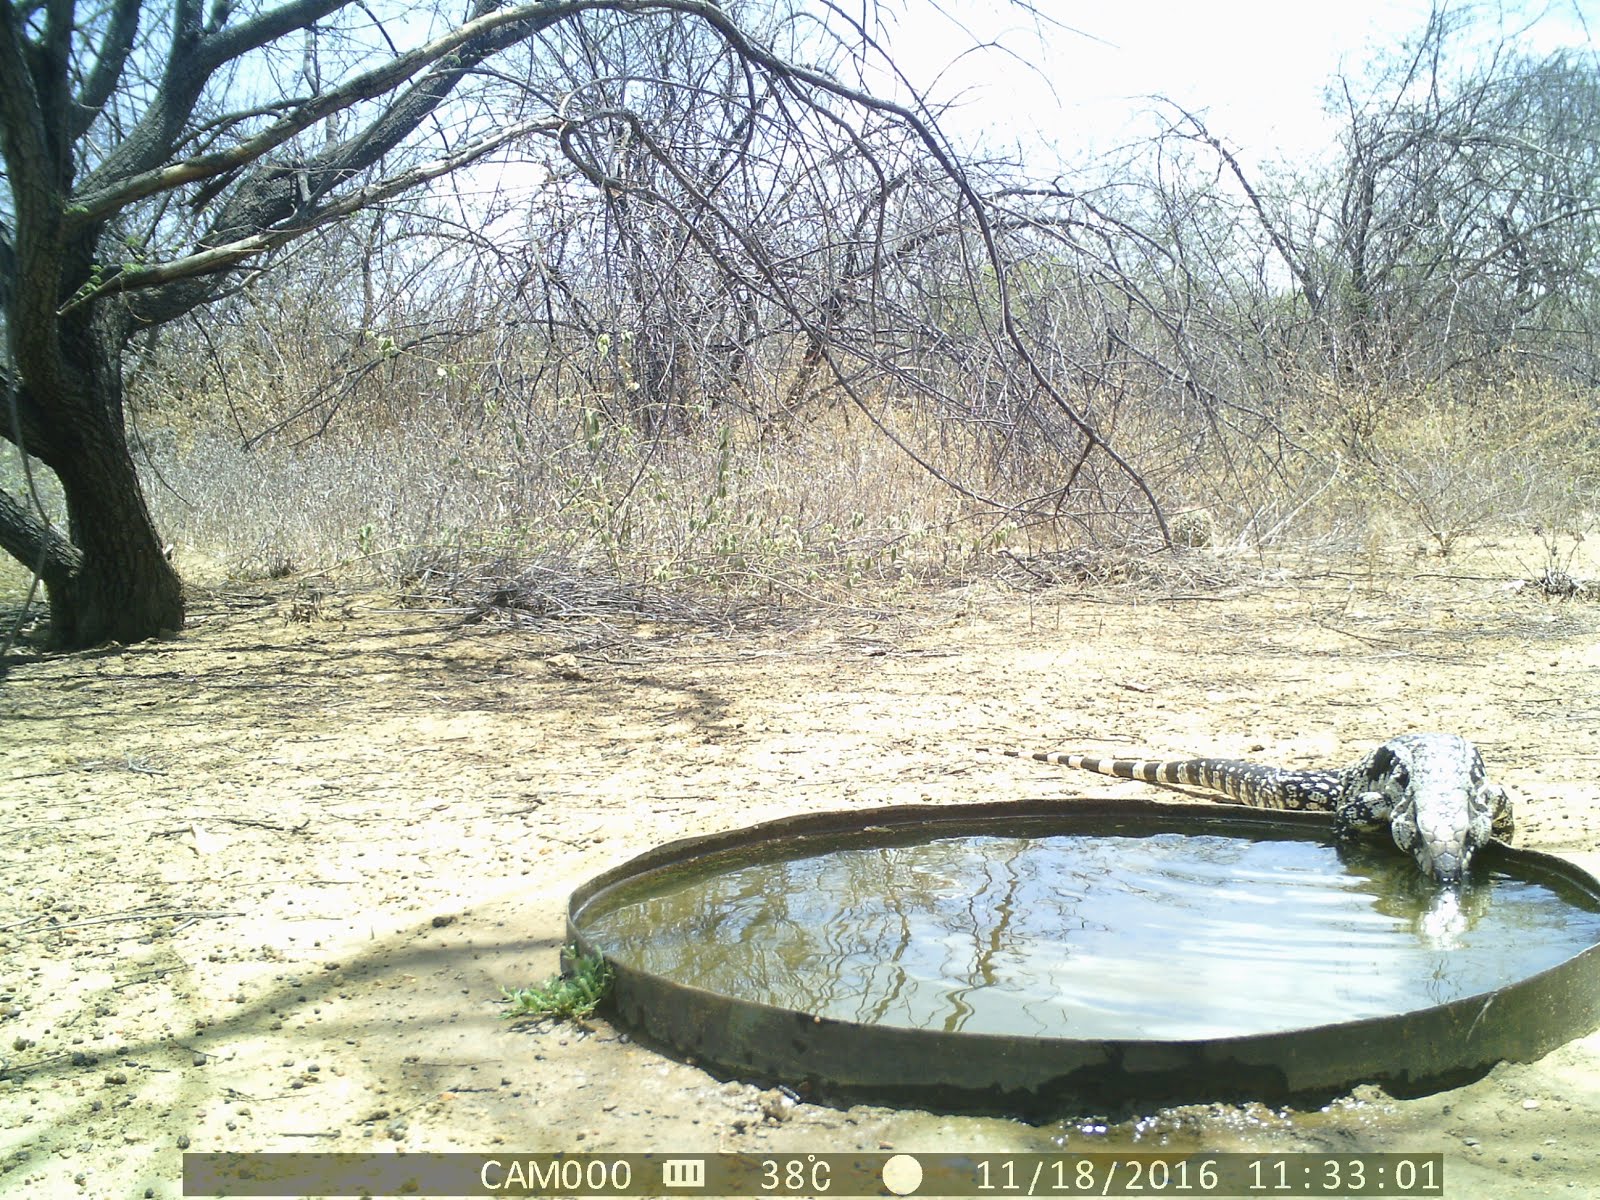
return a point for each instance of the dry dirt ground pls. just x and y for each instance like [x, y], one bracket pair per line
[264, 882]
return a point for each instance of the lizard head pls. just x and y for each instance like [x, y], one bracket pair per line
[1439, 806]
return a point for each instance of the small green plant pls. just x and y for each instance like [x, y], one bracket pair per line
[576, 993]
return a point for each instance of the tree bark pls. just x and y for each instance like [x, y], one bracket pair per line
[124, 588]
[109, 579]
[116, 584]
[30, 541]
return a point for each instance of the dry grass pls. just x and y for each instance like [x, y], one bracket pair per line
[1450, 465]
[432, 511]
[1342, 471]
[552, 512]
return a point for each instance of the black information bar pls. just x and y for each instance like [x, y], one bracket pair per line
[545, 1173]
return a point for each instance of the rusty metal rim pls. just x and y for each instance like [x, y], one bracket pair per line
[1410, 1053]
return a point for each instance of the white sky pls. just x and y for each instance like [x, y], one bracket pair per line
[1257, 68]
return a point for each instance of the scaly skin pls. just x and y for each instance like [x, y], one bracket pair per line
[1427, 790]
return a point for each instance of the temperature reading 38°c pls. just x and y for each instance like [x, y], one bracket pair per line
[783, 1176]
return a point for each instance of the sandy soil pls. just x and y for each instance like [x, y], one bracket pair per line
[265, 882]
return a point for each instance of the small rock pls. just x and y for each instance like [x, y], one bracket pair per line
[566, 666]
[775, 1106]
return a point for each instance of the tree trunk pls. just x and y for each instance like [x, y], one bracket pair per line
[38, 547]
[111, 581]
[125, 589]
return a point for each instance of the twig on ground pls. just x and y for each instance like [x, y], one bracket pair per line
[21, 926]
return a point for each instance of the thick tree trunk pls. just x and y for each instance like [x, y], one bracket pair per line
[125, 589]
[34, 544]
[113, 582]
[108, 579]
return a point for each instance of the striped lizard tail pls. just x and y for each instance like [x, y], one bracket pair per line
[1240, 782]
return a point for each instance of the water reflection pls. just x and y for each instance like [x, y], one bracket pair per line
[1164, 936]
[1440, 917]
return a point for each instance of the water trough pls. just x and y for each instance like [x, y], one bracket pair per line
[1035, 955]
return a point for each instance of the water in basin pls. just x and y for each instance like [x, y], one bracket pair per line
[1163, 936]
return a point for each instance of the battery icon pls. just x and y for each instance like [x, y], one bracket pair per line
[683, 1173]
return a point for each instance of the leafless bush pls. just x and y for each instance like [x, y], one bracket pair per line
[699, 348]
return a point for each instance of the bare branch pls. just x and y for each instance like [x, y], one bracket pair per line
[110, 60]
[93, 203]
[194, 56]
[213, 259]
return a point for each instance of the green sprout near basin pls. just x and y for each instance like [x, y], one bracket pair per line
[574, 994]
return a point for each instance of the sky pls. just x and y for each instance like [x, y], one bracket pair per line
[1257, 68]
[1080, 83]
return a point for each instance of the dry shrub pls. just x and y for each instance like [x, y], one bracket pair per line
[1333, 468]
[553, 508]
[1458, 462]
[429, 507]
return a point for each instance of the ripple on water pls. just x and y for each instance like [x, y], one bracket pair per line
[1166, 936]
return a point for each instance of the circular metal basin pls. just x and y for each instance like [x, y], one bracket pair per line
[1033, 955]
